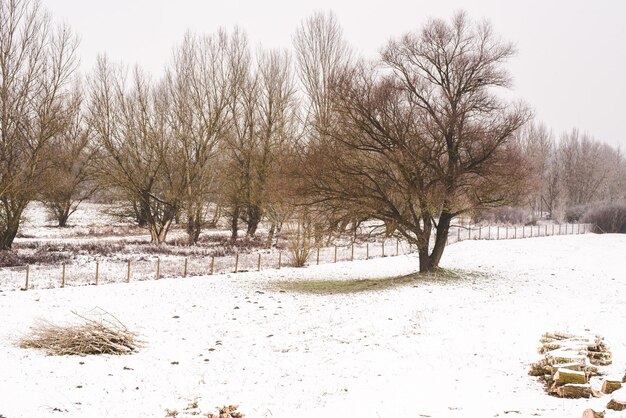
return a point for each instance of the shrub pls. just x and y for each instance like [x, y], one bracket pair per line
[300, 243]
[575, 213]
[42, 256]
[504, 215]
[607, 217]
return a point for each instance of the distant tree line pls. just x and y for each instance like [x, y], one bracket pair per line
[572, 172]
[317, 139]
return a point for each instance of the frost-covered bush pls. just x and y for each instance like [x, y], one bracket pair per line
[607, 217]
[504, 215]
[575, 213]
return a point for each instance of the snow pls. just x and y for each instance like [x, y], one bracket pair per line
[438, 347]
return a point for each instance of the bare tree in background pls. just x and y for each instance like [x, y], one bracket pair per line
[240, 138]
[537, 143]
[279, 130]
[129, 123]
[425, 139]
[580, 160]
[198, 87]
[321, 54]
[69, 177]
[36, 65]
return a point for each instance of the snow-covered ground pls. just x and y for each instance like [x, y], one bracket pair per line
[454, 347]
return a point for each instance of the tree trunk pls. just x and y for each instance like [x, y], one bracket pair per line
[440, 240]
[62, 219]
[194, 225]
[270, 235]
[253, 218]
[142, 210]
[426, 264]
[12, 214]
[63, 214]
[234, 224]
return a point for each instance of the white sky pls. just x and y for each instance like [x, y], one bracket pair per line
[570, 67]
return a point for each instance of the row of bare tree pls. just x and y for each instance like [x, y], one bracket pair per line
[325, 140]
[572, 171]
[213, 129]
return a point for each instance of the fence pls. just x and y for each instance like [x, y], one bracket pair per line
[96, 272]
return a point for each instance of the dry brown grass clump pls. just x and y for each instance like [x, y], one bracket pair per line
[107, 335]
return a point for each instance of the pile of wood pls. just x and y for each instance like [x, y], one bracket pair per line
[227, 412]
[106, 335]
[569, 362]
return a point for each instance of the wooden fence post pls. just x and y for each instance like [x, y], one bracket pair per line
[27, 276]
[63, 276]
[97, 271]
[531, 231]
[185, 267]
[383, 247]
[397, 246]
[458, 234]
[515, 232]
[258, 265]
[236, 262]
[524, 231]
[367, 250]
[506, 232]
[212, 264]
[317, 261]
[128, 272]
[335, 259]
[352, 252]
[480, 232]
[498, 232]
[158, 269]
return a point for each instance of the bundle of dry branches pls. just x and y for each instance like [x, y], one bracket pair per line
[107, 335]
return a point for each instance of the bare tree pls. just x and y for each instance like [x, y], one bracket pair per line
[239, 140]
[321, 54]
[584, 170]
[36, 65]
[279, 130]
[69, 179]
[537, 143]
[130, 125]
[424, 139]
[198, 87]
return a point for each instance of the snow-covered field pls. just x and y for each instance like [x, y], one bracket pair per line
[453, 347]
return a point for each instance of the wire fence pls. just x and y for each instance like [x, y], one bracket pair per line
[97, 272]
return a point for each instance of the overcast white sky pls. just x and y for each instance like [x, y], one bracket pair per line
[571, 64]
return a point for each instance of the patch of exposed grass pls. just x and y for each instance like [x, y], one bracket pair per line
[343, 286]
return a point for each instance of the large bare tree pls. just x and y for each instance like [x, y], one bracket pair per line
[198, 88]
[128, 119]
[421, 137]
[69, 176]
[37, 61]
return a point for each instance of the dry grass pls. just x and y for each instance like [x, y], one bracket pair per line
[107, 335]
[342, 286]
[331, 286]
